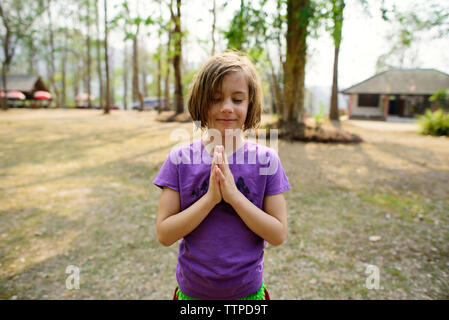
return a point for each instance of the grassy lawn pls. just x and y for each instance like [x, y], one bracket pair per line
[75, 189]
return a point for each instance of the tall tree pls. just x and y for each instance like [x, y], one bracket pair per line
[98, 46]
[143, 63]
[276, 34]
[159, 77]
[132, 25]
[169, 62]
[106, 31]
[31, 47]
[65, 33]
[17, 18]
[125, 76]
[51, 59]
[88, 54]
[177, 58]
[299, 14]
[158, 56]
[112, 76]
[337, 7]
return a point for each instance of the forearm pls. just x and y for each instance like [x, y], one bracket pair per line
[181, 224]
[264, 225]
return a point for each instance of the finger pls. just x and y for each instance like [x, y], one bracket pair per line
[214, 160]
[223, 153]
[220, 150]
[217, 149]
[220, 174]
[217, 173]
[218, 158]
[213, 175]
[212, 165]
[225, 166]
[221, 163]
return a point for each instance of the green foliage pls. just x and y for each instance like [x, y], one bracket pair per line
[441, 98]
[131, 24]
[338, 7]
[319, 117]
[17, 20]
[248, 29]
[431, 14]
[434, 123]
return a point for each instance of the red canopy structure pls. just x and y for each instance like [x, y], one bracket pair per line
[42, 95]
[82, 97]
[15, 95]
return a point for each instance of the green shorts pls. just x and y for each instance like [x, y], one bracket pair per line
[261, 294]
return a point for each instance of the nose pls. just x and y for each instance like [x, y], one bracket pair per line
[226, 107]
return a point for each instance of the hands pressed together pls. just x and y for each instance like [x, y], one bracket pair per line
[221, 183]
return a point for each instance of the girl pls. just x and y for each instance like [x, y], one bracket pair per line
[227, 205]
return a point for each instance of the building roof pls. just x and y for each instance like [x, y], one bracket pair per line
[402, 81]
[24, 82]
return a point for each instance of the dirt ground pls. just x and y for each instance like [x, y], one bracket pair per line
[75, 190]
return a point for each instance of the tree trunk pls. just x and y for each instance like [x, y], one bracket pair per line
[89, 72]
[337, 17]
[334, 97]
[77, 77]
[177, 59]
[167, 75]
[112, 77]
[143, 67]
[52, 67]
[100, 76]
[64, 73]
[3, 101]
[125, 78]
[135, 82]
[297, 22]
[106, 30]
[31, 56]
[159, 76]
[281, 72]
[5, 65]
[275, 85]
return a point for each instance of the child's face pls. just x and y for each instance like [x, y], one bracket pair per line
[230, 105]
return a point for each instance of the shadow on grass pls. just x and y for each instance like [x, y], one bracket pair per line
[108, 168]
[75, 147]
[116, 247]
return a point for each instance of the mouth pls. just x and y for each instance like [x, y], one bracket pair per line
[226, 120]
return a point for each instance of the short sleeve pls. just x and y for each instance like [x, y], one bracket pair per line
[169, 172]
[277, 181]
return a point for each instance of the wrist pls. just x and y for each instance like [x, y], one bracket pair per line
[210, 199]
[235, 198]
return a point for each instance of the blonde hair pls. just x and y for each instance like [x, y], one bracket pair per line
[208, 81]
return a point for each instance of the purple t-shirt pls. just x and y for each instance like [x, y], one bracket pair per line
[222, 258]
